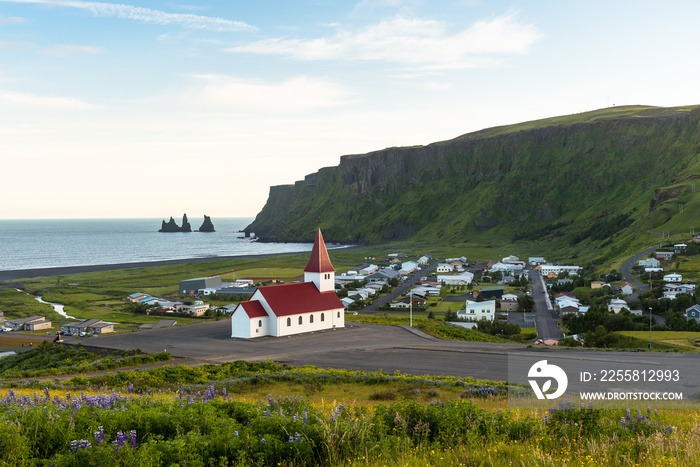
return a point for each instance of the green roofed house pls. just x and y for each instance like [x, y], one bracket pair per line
[491, 292]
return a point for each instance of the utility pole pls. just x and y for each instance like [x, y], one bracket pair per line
[649, 329]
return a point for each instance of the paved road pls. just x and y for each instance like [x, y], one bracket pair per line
[369, 347]
[545, 317]
[626, 271]
[358, 347]
[403, 287]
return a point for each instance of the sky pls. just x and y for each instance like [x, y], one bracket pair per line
[159, 108]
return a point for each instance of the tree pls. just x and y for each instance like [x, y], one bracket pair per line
[526, 303]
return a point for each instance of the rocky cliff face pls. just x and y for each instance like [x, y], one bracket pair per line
[495, 182]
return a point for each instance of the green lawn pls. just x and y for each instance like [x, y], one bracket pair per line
[666, 339]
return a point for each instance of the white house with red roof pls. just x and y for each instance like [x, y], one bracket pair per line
[282, 310]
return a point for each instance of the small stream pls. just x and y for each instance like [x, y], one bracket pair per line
[57, 307]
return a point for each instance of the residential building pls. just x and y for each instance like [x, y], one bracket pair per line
[367, 270]
[672, 290]
[556, 269]
[456, 279]
[475, 311]
[616, 305]
[135, 297]
[287, 309]
[32, 323]
[509, 302]
[693, 313]
[407, 267]
[680, 247]
[649, 263]
[627, 288]
[673, 277]
[444, 268]
[506, 268]
[664, 255]
[198, 308]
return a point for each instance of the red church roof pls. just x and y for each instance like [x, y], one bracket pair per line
[252, 308]
[300, 297]
[319, 260]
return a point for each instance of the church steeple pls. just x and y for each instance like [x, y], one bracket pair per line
[319, 270]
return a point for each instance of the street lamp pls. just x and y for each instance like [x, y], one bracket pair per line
[410, 305]
[649, 329]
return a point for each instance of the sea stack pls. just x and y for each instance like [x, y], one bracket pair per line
[171, 225]
[207, 225]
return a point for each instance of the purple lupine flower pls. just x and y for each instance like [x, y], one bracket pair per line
[121, 439]
[262, 441]
[132, 439]
[130, 388]
[99, 435]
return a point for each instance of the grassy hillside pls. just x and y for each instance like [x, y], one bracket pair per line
[596, 185]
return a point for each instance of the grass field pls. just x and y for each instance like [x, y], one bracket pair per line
[667, 339]
[267, 414]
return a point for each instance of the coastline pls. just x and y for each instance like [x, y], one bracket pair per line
[17, 274]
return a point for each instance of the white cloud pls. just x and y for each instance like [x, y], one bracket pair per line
[23, 101]
[411, 41]
[65, 50]
[295, 94]
[10, 20]
[147, 15]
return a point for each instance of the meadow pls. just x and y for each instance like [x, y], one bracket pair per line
[264, 413]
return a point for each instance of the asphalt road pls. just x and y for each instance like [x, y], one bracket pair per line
[358, 347]
[369, 347]
[545, 319]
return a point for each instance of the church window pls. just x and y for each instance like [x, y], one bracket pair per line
[259, 323]
[311, 319]
[301, 320]
[289, 321]
[338, 314]
[323, 317]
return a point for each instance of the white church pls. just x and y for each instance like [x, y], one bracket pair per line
[282, 310]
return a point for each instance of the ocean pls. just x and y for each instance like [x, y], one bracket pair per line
[29, 244]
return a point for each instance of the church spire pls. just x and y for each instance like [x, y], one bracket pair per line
[319, 260]
[320, 270]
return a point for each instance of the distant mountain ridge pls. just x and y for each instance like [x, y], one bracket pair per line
[560, 180]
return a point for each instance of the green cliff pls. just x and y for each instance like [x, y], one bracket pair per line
[572, 182]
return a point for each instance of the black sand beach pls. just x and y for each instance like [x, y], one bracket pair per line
[59, 271]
